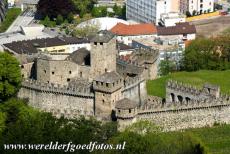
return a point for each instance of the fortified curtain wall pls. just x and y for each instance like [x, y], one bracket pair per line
[203, 108]
[135, 89]
[172, 120]
[61, 101]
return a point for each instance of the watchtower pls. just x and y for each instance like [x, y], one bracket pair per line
[126, 111]
[107, 89]
[103, 53]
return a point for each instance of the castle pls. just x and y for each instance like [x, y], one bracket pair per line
[98, 83]
[86, 82]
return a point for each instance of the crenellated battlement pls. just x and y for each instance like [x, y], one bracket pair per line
[56, 88]
[132, 82]
[182, 87]
[179, 97]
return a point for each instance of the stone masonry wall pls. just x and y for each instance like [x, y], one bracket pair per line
[188, 118]
[59, 101]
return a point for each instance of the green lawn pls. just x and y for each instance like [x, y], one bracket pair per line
[11, 15]
[216, 139]
[222, 78]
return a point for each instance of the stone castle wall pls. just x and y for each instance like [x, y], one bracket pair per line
[135, 90]
[67, 101]
[172, 120]
[203, 108]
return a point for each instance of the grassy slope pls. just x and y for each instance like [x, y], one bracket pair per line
[11, 15]
[222, 78]
[216, 139]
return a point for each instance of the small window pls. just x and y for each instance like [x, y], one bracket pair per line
[119, 111]
[81, 74]
[44, 71]
[68, 80]
[129, 110]
[97, 84]
[70, 72]
[22, 75]
[53, 73]
[103, 101]
[101, 43]
[107, 85]
[48, 82]
[22, 66]
[106, 70]
[95, 43]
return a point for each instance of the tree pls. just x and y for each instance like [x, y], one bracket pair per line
[70, 17]
[166, 67]
[194, 12]
[124, 12]
[84, 6]
[85, 31]
[53, 8]
[188, 14]
[99, 11]
[59, 20]
[10, 76]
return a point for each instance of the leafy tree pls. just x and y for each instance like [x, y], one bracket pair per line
[194, 12]
[117, 10]
[166, 67]
[53, 8]
[85, 31]
[188, 14]
[99, 11]
[59, 20]
[84, 6]
[70, 17]
[10, 76]
[124, 12]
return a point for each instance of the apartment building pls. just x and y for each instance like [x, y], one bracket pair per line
[148, 11]
[196, 6]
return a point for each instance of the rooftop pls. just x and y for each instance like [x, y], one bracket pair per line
[102, 36]
[136, 29]
[80, 56]
[122, 46]
[109, 77]
[125, 104]
[180, 28]
[30, 46]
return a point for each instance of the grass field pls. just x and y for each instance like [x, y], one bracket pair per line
[221, 78]
[216, 139]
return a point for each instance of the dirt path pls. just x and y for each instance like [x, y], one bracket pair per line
[212, 27]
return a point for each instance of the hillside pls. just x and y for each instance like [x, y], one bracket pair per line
[221, 78]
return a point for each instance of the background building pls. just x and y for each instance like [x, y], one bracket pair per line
[148, 11]
[196, 6]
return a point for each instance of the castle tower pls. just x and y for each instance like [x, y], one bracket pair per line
[126, 111]
[107, 89]
[103, 53]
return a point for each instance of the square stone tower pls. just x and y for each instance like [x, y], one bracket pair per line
[103, 53]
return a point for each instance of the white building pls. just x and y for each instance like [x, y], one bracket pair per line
[126, 33]
[147, 11]
[197, 6]
[170, 19]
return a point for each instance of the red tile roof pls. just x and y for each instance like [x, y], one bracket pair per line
[137, 29]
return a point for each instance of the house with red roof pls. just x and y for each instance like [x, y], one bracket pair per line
[126, 33]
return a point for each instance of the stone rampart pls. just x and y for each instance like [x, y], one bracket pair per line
[61, 101]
